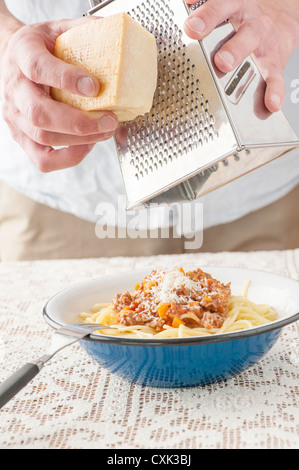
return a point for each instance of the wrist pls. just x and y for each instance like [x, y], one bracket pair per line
[285, 16]
[9, 26]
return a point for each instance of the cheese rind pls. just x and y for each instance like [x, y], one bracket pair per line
[122, 55]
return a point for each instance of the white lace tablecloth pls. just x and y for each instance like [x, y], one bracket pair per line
[75, 404]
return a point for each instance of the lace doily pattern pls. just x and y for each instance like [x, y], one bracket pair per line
[75, 404]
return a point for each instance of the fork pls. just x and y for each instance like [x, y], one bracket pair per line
[63, 336]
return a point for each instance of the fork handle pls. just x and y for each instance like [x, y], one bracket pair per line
[13, 384]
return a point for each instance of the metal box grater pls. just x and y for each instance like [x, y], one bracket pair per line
[205, 128]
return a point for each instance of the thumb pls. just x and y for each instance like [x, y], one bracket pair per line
[59, 27]
[39, 65]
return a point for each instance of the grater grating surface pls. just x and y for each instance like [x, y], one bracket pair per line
[196, 5]
[191, 141]
[180, 119]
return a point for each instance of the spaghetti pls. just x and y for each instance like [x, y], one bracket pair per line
[174, 304]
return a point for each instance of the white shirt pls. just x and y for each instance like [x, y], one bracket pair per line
[98, 179]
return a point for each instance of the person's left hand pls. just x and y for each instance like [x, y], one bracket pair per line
[267, 29]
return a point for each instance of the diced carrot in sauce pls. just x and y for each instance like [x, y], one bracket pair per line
[126, 310]
[162, 310]
[137, 286]
[148, 285]
[177, 322]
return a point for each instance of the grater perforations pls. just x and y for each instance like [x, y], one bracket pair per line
[180, 119]
[196, 5]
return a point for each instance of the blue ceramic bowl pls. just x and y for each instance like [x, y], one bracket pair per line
[180, 362]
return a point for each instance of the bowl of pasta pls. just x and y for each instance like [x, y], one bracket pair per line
[179, 326]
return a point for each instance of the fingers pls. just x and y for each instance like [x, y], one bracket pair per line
[248, 38]
[275, 90]
[33, 54]
[39, 123]
[42, 112]
[31, 50]
[55, 28]
[38, 144]
[48, 159]
[212, 13]
[255, 34]
[42, 67]
[47, 138]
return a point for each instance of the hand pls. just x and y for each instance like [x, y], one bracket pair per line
[267, 29]
[36, 121]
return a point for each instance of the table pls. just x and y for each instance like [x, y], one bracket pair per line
[75, 404]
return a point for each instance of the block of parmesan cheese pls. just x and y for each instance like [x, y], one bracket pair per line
[122, 55]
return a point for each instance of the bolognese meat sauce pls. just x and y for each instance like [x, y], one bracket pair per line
[173, 297]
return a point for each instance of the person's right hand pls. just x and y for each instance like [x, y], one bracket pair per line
[267, 29]
[36, 121]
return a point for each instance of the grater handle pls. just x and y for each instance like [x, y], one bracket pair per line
[97, 5]
[197, 5]
[94, 3]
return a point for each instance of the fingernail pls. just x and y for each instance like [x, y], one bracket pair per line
[196, 24]
[86, 86]
[226, 57]
[276, 100]
[107, 124]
